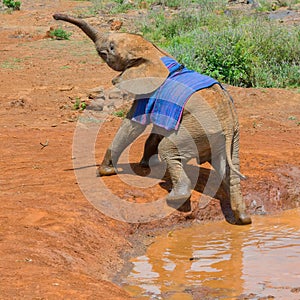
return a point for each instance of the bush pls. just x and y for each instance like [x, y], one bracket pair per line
[15, 5]
[248, 51]
[60, 34]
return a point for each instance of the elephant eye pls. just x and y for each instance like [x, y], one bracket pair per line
[111, 46]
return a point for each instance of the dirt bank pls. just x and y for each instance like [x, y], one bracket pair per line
[53, 243]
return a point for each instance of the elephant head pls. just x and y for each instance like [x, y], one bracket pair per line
[138, 60]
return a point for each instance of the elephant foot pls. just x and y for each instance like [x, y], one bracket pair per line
[179, 197]
[242, 218]
[153, 161]
[181, 205]
[144, 163]
[106, 171]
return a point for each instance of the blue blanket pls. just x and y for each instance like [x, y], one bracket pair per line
[165, 105]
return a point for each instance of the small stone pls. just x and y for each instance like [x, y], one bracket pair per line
[66, 88]
[115, 94]
[295, 290]
[116, 25]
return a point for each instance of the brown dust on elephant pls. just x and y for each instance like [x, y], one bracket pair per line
[206, 128]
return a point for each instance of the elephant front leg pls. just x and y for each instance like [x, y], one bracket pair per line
[107, 166]
[126, 134]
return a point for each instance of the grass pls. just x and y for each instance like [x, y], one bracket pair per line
[111, 7]
[79, 104]
[242, 50]
[121, 113]
[60, 34]
[65, 67]
[266, 5]
[12, 64]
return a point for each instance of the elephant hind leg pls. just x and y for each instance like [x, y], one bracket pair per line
[236, 200]
[180, 194]
[151, 149]
[238, 204]
[232, 186]
[181, 184]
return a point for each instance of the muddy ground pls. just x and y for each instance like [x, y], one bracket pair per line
[54, 244]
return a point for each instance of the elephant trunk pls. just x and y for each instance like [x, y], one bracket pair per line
[91, 32]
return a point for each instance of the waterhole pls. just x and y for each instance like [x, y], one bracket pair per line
[222, 261]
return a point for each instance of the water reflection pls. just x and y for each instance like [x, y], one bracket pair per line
[224, 261]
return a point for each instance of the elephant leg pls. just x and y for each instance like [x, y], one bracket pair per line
[219, 163]
[181, 190]
[237, 202]
[127, 133]
[107, 167]
[151, 149]
[231, 181]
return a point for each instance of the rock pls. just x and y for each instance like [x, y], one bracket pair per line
[116, 25]
[97, 104]
[281, 15]
[66, 88]
[115, 94]
[17, 103]
[97, 92]
[20, 102]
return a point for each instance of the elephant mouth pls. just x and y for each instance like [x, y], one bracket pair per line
[102, 54]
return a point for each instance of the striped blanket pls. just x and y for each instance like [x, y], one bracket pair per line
[165, 105]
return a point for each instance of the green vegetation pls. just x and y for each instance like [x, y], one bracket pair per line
[60, 34]
[65, 67]
[14, 5]
[242, 50]
[238, 47]
[293, 118]
[120, 6]
[120, 113]
[266, 5]
[79, 105]
[112, 7]
[12, 63]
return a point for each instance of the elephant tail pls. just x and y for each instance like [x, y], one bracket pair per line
[228, 142]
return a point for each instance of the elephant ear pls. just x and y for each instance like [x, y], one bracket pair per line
[143, 77]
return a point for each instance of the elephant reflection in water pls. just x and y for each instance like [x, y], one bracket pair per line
[209, 257]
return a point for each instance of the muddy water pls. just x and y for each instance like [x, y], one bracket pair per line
[222, 261]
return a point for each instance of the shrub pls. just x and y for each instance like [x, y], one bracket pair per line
[15, 5]
[60, 34]
[249, 51]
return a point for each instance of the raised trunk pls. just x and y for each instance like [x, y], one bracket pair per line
[90, 31]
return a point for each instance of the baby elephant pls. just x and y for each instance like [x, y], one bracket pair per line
[192, 115]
